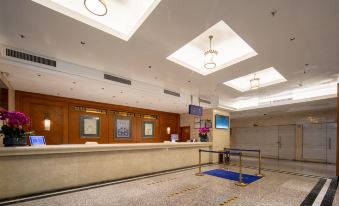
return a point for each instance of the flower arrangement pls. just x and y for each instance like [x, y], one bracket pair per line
[203, 134]
[14, 125]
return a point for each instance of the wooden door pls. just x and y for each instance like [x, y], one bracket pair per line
[185, 134]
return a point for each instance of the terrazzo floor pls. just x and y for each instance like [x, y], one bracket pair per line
[184, 188]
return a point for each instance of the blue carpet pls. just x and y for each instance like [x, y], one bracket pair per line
[232, 175]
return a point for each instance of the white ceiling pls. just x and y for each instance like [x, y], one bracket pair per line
[310, 59]
[325, 104]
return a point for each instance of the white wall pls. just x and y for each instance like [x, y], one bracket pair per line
[219, 137]
[291, 118]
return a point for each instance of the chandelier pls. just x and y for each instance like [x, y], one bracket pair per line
[96, 7]
[255, 82]
[210, 56]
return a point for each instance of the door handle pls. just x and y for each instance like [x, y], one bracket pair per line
[329, 143]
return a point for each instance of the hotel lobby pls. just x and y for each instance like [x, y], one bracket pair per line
[169, 102]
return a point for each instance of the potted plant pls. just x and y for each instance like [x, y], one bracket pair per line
[203, 134]
[13, 128]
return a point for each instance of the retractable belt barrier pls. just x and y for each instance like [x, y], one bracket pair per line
[225, 152]
[248, 150]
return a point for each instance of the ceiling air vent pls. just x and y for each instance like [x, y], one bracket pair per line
[204, 101]
[30, 57]
[117, 79]
[171, 93]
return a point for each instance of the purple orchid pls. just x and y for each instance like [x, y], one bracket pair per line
[204, 130]
[14, 119]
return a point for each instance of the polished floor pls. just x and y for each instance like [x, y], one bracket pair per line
[285, 183]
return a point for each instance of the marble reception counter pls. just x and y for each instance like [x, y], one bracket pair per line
[29, 170]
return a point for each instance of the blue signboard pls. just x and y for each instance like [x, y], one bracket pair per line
[195, 110]
[222, 122]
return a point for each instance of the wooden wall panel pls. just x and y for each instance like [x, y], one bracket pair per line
[65, 120]
[171, 122]
[156, 137]
[57, 113]
[74, 127]
[112, 130]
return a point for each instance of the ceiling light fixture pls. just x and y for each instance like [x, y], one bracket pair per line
[96, 7]
[255, 82]
[210, 56]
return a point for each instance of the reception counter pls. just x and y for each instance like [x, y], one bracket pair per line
[29, 170]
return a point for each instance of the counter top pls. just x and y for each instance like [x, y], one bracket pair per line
[76, 148]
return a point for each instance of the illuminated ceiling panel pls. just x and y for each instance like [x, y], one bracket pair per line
[266, 77]
[123, 18]
[230, 46]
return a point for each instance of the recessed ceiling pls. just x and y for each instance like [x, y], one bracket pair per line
[309, 61]
[230, 46]
[323, 105]
[266, 78]
[302, 94]
[122, 19]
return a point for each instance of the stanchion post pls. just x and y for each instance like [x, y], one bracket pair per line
[199, 173]
[259, 165]
[226, 162]
[240, 183]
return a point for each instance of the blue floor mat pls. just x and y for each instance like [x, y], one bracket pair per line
[232, 175]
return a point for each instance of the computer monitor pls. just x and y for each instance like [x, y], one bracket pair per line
[174, 137]
[37, 140]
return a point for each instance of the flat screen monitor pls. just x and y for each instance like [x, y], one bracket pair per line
[174, 137]
[222, 122]
[37, 140]
[195, 110]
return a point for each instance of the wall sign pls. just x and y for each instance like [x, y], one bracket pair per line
[123, 127]
[148, 129]
[89, 126]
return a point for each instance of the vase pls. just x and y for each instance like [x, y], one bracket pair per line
[10, 141]
[203, 138]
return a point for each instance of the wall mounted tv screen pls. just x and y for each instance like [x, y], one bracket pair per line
[195, 110]
[222, 122]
